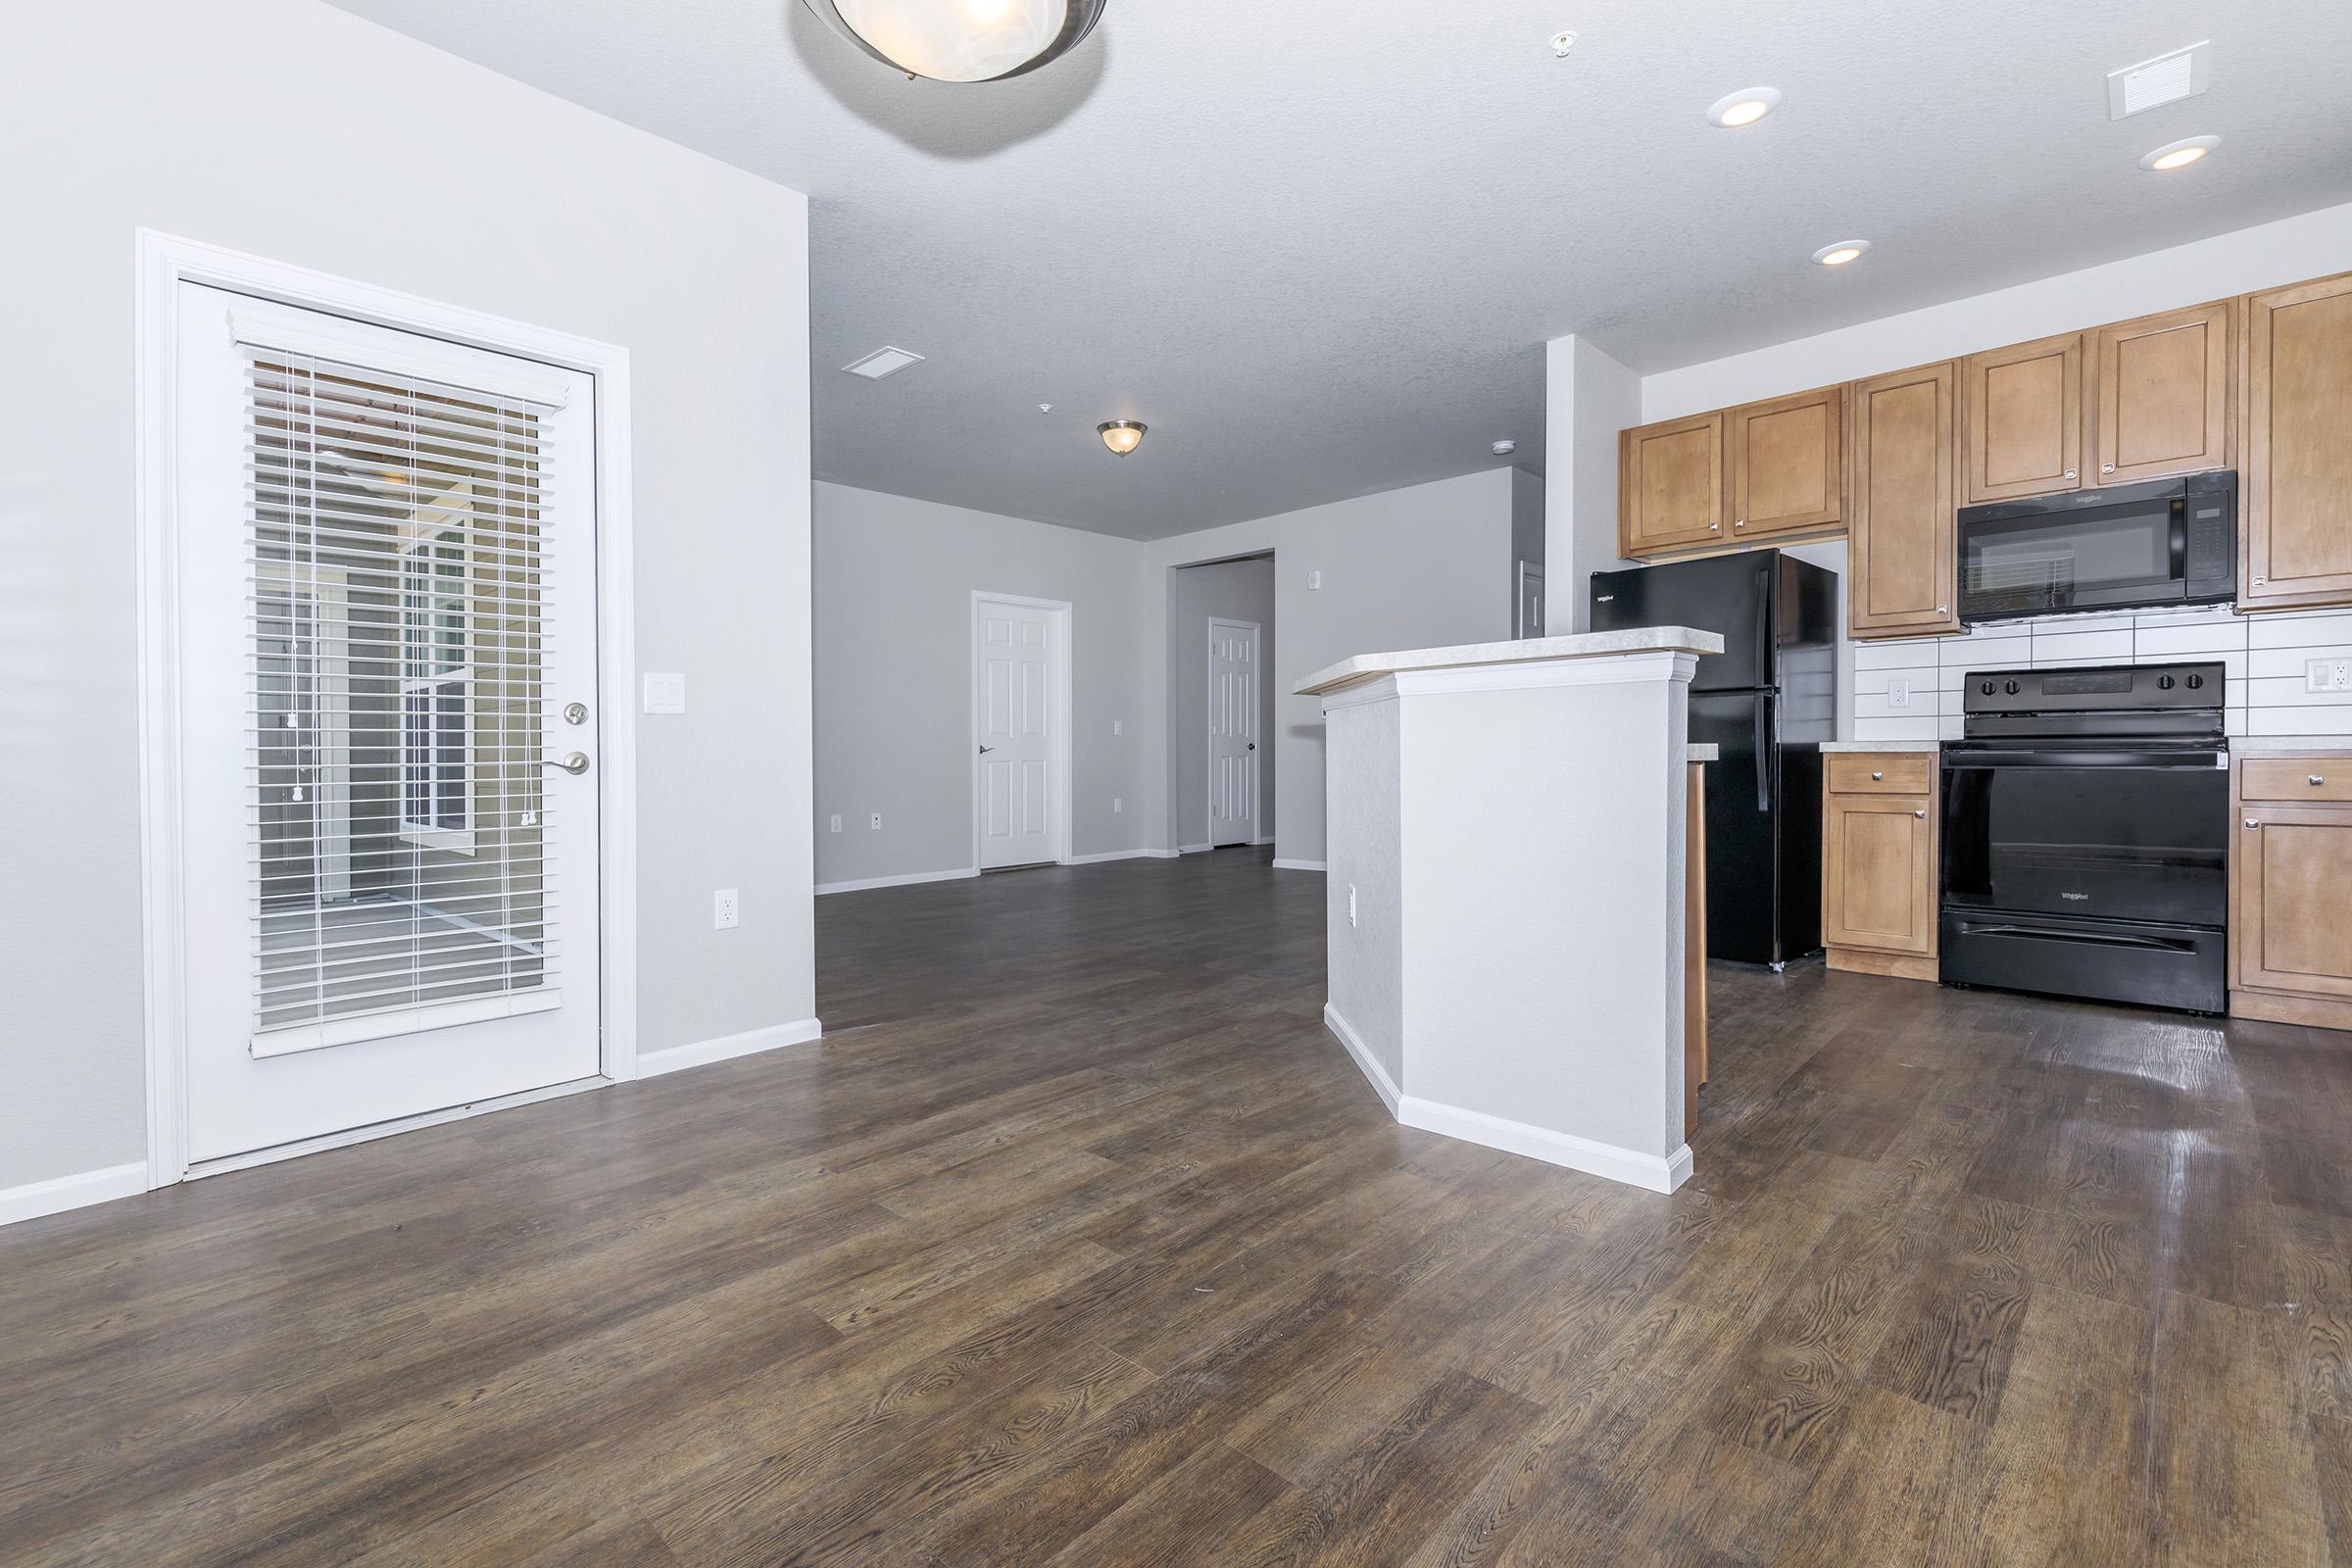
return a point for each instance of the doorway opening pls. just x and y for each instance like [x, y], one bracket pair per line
[1221, 703]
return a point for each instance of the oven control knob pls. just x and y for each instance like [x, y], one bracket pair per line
[2165, 683]
[1987, 688]
[2011, 688]
[2195, 681]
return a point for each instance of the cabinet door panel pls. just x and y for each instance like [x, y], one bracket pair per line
[1671, 486]
[2298, 476]
[1900, 510]
[1787, 456]
[1879, 874]
[2022, 408]
[2163, 394]
[2294, 918]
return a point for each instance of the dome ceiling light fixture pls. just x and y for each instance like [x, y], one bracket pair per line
[962, 40]
[1122, 436]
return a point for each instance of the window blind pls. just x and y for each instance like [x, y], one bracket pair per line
[399, 824]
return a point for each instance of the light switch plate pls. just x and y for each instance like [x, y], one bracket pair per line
[666, 694]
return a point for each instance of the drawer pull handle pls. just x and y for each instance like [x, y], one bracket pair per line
[2252, 824]
[2316, 781]
[1875, 777]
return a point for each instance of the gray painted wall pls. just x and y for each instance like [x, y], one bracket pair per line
[1234, 590]
[1419, 567]
[894, 678]
[192, 120]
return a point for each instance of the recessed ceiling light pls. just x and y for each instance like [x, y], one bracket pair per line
[1122, 436]
[1845, 251]
[1743, 108]
[883, 362]
[1503, 449]
[2180, 154]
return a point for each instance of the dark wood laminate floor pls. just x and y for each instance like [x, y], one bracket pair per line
[1079, 1242]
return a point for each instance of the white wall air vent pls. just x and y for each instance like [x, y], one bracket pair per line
[2183, 74]
[883, 362]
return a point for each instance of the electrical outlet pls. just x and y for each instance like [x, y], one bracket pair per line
[2327, 676]
[1118, 727]
[1899, 691]
[725, 912]
[876, 822]
[1352, 906]
[1314, 581]
[836, 821]
[1118, 804]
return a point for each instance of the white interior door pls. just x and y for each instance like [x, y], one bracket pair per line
[1017, 724]
[386, 576]
[1232, 738]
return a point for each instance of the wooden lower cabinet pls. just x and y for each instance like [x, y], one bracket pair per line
[2290, 891]
[1879, 864]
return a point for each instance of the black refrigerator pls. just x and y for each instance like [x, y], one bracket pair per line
[1768, 700]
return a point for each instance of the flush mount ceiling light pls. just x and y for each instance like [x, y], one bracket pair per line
[2180, 154]
[1743, 108]
[1839, 254]
[962, 40]
[1503, 449]
[885, 361]
[1122, 436]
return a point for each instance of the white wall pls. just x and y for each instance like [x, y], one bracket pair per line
[894, 579]
[1232, 590]
[2310, 245]
[1590, 397]
[297, 133]
[1419, 567]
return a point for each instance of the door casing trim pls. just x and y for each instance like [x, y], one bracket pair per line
[165, 262]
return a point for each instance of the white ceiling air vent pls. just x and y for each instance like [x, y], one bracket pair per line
[2183, 74]
[883, 362]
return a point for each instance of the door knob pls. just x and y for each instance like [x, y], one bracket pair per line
[576, 764]
[1253, 746]
[575, 712]
[985, 750]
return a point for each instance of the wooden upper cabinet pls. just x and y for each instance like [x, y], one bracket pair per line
[1671, 485]
[2296, 468]
[2021, 410]
[1901, 569]
[2160, 394]
[1788, 457]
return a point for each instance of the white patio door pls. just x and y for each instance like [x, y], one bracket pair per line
[1232, 732]
[386, 576]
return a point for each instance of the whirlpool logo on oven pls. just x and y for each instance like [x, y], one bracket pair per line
[2076, 898]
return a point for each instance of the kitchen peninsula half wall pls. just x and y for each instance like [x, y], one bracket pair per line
[1507, 947]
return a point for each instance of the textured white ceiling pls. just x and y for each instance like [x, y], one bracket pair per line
[1317, 245]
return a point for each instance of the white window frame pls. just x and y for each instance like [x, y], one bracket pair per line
[162, 262]
[429, 834]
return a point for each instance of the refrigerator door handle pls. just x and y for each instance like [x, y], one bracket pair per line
[1767, 581]
[1764, 756]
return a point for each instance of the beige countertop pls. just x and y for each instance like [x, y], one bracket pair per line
[1881, 746]
[1522, 650]
[2290, 745]
[1701, 751]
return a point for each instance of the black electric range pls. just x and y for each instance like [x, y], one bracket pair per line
[2085, 835]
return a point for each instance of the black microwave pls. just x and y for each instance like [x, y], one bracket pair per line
[2121, 547]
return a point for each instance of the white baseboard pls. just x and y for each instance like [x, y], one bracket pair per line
[1618, 1165]
[60, 1193]
[1374, 1074]
[1609, 1160]
[897, 881]
[1191, 849]
[1119, 854]
[1281, 864]
[1260, 844]
[677, 1059]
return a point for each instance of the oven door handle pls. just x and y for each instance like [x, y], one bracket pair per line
[2089, 939]
[2209, 759]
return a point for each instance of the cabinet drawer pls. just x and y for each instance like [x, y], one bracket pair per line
[1886, 773]
[2295, 778]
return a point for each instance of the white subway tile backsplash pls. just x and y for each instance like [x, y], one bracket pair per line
[2233, 722]
[2263, 659]
[2309, 630]
[2109, 647]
